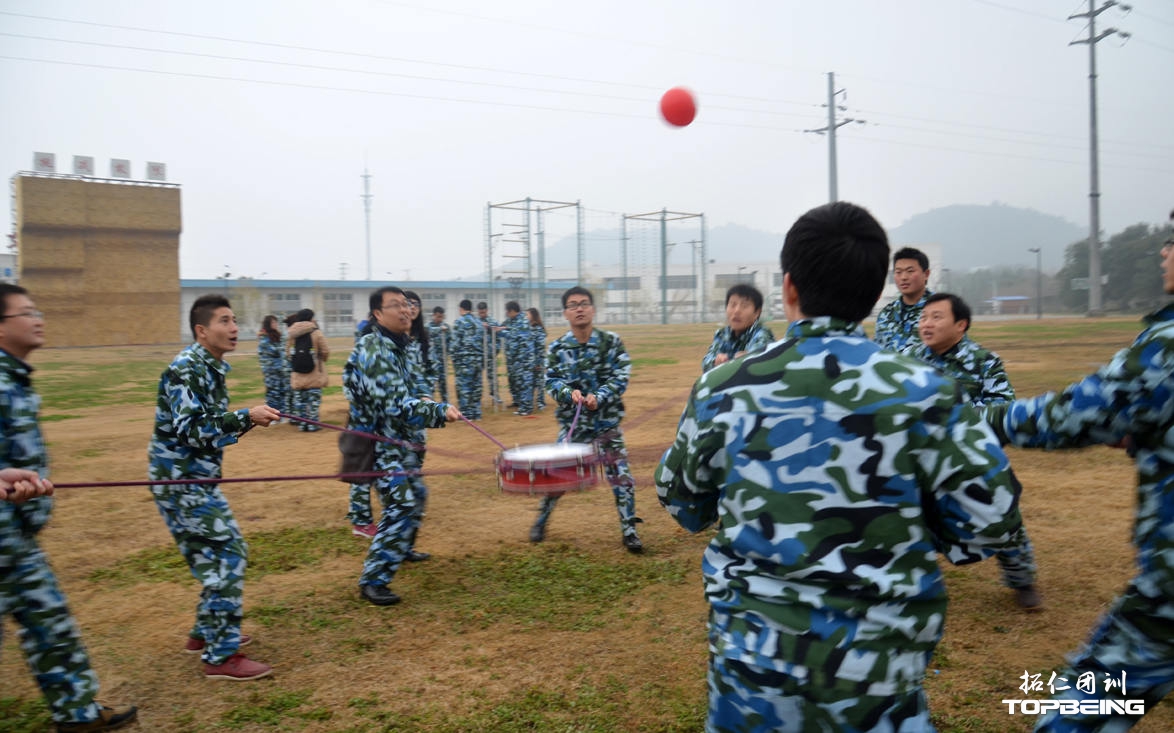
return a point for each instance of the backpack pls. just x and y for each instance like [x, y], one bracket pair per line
[302, 360]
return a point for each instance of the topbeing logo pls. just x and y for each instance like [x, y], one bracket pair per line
[1075, 707]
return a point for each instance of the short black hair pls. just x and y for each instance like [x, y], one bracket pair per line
[483, 306]
[438, 309]
[375, 301]
[837, 256]
[749, 292]
[204, 308]
[513, 306]
[911, 253]
[577, 290]
[466, 304]
[7, 289]
[305, 314]
[958, 307]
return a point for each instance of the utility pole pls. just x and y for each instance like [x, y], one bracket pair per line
[1094, 194]
[831, 128]
[366, 196]
[1039, 287]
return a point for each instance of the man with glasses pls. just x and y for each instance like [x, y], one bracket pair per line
[28, 589]
[587, 372]
[385, 400]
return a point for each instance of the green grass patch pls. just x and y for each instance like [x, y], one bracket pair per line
[558, 587]
[271, 708]
[269, 552]
[24, 716]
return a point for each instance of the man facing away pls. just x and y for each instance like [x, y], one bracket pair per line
[49, 636]
[1130, 401]
[946, 345]
[468, 353]
[192, 427]
[519, 358]
[896, 324]
[835, 471]
[384, 393]
[587, 372]
[438, 338]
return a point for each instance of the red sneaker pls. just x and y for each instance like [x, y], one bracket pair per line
[195, 646]
[237, 667]
[367, 531]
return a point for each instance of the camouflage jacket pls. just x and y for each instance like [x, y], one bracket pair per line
[725, 341]
[271, 355]
[835, 472]
[383, 380]
[517, 336]
[978, 371]
[439, 343]
[21, 446]
[896, 324]
[467, 338]
[600, 367]
[1130, 397]
[538, 343]
[192, 421]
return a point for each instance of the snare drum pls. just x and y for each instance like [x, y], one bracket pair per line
[550, 468]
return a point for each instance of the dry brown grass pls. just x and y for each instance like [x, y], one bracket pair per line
[449, 657]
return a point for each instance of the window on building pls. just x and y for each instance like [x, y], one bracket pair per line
[631, 282]
[678, 282]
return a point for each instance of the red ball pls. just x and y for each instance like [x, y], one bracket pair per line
[678, 107]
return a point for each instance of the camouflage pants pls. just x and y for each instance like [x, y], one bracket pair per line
[277, 390]
[618, 475]
[397, 524]
[48, 636]
[468, 373]
[440, 384]
[1136, 638]
[360, 503]
[520, 373]
[210, 541]
[305, 404]
[538, 383]
[747, 699]
[1018, 564]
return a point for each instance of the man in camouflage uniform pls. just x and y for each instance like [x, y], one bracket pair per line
[836, 472]
[744, 332]
[468, 344]
[587, 372]
[29, 593]
[192, 426]
[519, 357]
[896, 324]
[490, 347]
[1130, 401]
[383, 384]
[438, 339]
[945, 345]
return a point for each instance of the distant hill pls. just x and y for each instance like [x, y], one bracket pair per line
[970, 236]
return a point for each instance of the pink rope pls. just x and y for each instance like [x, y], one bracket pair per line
[574, 421]
[487, 435]
[372, 436]
[246, 480]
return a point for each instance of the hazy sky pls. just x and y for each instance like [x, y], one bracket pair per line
[267, 113]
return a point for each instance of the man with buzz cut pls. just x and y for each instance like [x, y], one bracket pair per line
[946, 345]
[468, 353]
[896, 324]
[835, 472]
[193, 425]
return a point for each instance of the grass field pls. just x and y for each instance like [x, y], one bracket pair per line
[496, 634]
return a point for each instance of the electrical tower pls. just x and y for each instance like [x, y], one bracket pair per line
[366, 196]
[1094, 194]
[830, 129]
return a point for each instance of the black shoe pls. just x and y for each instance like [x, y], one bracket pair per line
[378, 595]
[1028, 598]
[416, 556]
[108, 719]
[633, 543]
[538, 533]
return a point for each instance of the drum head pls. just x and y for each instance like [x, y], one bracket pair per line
[547, 452]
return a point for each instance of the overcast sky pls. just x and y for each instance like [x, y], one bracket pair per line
[268, 112]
